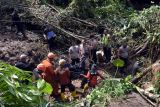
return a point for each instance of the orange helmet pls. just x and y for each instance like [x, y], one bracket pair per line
[41, 67]
[51, 55]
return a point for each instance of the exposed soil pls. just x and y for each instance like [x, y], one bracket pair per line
[12, 46]
[131, 100]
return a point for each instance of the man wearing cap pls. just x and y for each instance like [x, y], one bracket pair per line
[23, 64]
[49, 75]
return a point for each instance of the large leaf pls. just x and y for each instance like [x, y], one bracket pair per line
[118, 63]
[24, 96]
[41, 84]
[47, 89]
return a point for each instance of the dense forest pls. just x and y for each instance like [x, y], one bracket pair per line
[125, 82]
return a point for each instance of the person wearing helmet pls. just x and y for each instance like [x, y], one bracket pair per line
[64, 79]
[23, 64]
[37, 72]
[92, 76]
[49, 75]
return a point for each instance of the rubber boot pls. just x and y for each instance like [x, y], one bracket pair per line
[63, 97]
[74, 95]
[85, 87]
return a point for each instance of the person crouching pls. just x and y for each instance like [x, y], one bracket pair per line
[92, 76]
[64, 79]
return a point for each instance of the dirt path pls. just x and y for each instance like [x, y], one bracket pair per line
[131, 100]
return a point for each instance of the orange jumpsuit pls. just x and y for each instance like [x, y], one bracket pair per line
[50, 76]
[64, 79]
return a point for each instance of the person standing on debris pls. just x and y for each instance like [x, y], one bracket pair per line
[106, 43]
[16, 21]
[23, 63]
[93, 48]
[65, 79]
[83, 48]
[49, 75]
[50, 36]
[74, 55]
[92, 76]
[123, 53]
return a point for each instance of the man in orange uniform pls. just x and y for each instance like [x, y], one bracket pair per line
[64, 79]
[37, 72]
[92, 76]
[49, 75]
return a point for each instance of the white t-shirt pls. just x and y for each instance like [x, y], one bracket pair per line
[74, 52]
[83, 49]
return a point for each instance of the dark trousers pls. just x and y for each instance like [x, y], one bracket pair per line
[75, 61]
[93, 55]
[20, 28]
[84, 80]
[51, 43]
[70, 86]
[125, 65]
[107, 53]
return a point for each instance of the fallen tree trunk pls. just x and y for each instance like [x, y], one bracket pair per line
[141, 92]
[140, 49]
[62, 31]
[83, 21]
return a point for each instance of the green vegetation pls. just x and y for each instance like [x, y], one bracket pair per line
[14, 91]
[108, 90]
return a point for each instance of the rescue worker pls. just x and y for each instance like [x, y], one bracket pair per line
[49, 36]
[18, 23]
[93, 48]
[74, 55]
[92, 76]
[38, 71]
[123, 55]
[23, 63]
[49, 75]
[106, 43]
[65, 79]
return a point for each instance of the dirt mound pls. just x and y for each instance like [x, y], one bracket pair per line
[12, 45]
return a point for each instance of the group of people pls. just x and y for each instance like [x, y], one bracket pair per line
[59, 74]
[83, 56]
